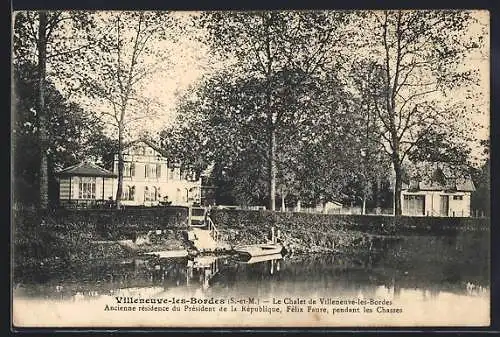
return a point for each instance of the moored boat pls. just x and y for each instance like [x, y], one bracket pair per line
[168, 253]
[259, 249]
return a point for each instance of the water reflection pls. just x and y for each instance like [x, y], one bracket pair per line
[268, 276]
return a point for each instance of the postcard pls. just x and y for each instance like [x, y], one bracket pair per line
[324, 168]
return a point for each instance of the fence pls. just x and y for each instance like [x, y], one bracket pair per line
[478, 213]
[311, 210]
[356, 210]
[342, 210]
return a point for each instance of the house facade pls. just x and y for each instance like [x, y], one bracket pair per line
[441, 195]
[150, 179]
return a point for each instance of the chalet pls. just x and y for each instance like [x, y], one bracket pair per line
[150, 179]
[439, 195]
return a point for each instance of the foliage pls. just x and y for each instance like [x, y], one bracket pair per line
[310, 108]
[481, 198]
[118, 67]
[415, 61]
[280, 54]
[46, 39]
[74, 134]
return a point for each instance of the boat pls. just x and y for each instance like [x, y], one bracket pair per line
[168, 253]
[262, 249]
[262, 258]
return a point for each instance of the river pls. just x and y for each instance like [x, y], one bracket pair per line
[317, 290]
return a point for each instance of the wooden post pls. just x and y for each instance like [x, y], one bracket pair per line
[103, 188]
[70, 189]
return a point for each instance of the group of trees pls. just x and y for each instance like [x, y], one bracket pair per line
[104, 57]
[309, 107]
[73, 135]
[315, 108]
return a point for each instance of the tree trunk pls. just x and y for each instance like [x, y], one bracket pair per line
[377, 194]
[119, 189]
[42, 116]
[272, 171]
[298, 207]
[271, 123]
[363, 211]
[397, 186]
[283, 202]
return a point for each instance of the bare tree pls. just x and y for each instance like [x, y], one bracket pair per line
[414, 62]
[119, 67]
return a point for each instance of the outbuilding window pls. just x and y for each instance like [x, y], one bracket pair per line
[86, 188]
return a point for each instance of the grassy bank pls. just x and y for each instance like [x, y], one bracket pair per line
[397, 239]
[76, 237]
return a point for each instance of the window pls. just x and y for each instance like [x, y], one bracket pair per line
[151, 193]
[149, 170]
[458, 197]
[128, 169]
[128, 193]
[86, 188]
[158, 170]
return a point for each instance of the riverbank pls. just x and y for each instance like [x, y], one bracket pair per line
[434, 238]
[72, 237]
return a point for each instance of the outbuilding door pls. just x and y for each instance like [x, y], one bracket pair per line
[445, 205]
[414, 205]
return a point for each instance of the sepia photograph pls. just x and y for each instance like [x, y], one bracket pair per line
[246, 169]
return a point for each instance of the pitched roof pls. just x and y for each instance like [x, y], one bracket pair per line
[440, 182]
[466, 185]
[85, 169]
[148, 142]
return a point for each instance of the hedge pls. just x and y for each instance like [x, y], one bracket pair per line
[375, 224]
